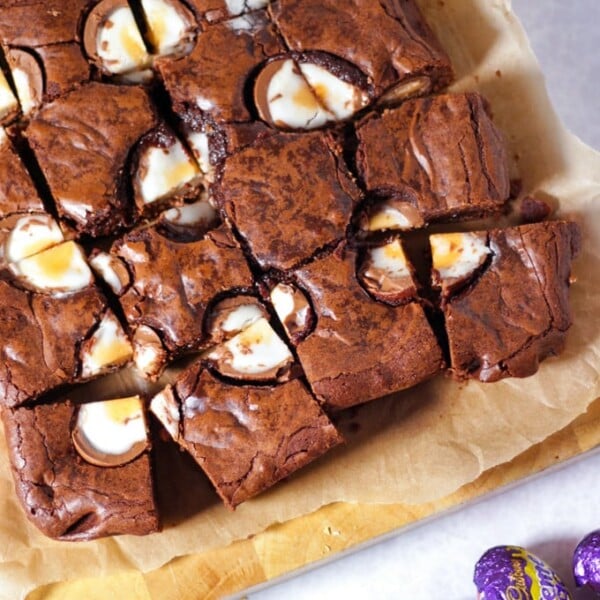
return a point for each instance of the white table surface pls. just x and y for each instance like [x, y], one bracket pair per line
[548, 515]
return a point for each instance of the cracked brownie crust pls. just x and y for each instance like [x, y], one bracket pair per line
[445, 149]
[515, 312]
[361, 349]
[283, 210]
[245, 438]
[66, 497]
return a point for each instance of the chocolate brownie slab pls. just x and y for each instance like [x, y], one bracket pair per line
[172, 285]
[505, 297]
[361, 348]
[244, 437]
[83, 472]
[436, 158]
[56, 326]
[288, 195]
[83, 142]
[391, 43]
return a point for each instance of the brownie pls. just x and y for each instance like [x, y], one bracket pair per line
[56, 326]
[216, 76]
[17, 191]
[504, 295]
[244, 437]
[49, 32]
[442, 154]
[288, 196]
[173, 284]
[360, 348]
[391, 43]
[64, 495]
[83, 142]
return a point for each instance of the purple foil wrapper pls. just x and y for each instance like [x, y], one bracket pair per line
[513, 573]
[586, 562]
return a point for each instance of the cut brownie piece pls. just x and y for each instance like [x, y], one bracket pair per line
[442, 156]
[83, 142]
[83, 472]
[172, 285]
[391, 43]
[505, 297]
[212, 83]
[43, 47]
[360, 348]
[289, 196]
[246, 438]
[56, 328]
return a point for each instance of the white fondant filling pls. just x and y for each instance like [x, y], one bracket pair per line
[32, 234]
[8, 102]
[242, 318]
[120, 44]
[110, 346]
[148, 356]
[107, 436]
[292, 102]
[166, 411]
[166, 170]
[465, 252]
[23, 87]
[61, 268]
[238, 7]
[388, 217]
[103, 264]
[199, 142]
[391, 260]
[191, 214]
[340, 98]
[258, 349]
[169, 31]
[75, 209]
[282, 297]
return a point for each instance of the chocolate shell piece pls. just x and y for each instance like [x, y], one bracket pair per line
[509, 572]
[586, 562]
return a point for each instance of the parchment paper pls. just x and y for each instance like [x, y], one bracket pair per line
[419, 445]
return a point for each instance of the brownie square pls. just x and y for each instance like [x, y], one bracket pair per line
[49, 33]
[172, 285]
[442, 155]
[391, 43]
[65, 496]
[289, 196]
[505, 297]
[245, 438]
[53, 334]
[216, 76]
[361, 348]
[83, 142]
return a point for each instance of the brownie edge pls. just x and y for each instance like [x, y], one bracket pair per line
[65, 497]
